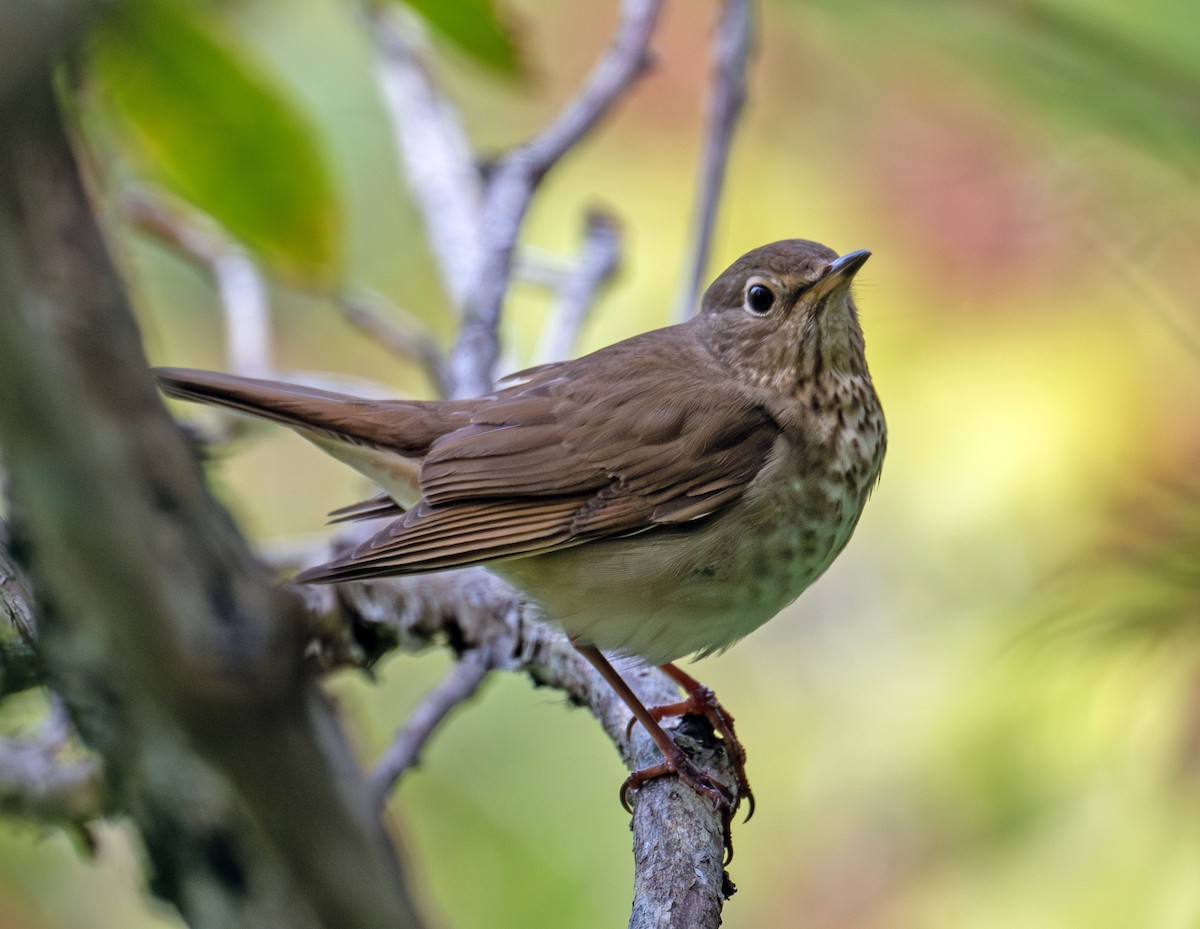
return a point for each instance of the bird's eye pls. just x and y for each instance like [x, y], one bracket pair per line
[759, 299]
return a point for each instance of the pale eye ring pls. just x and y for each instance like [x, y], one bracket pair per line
[759, 299]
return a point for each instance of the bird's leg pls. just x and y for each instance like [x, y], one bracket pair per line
[674, 760]
[701, 701]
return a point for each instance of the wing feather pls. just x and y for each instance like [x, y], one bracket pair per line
[427, 538]
[576, 452]
[377, 507]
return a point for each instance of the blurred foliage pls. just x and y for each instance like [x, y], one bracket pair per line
[218, 133]
[987, 714]
[475, 27]
[1130, 69]
[1139, 588]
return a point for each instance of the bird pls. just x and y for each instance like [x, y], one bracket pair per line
[659, 498]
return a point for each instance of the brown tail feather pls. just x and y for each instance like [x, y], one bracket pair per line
[408, 427]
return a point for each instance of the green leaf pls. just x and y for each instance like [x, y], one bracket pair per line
[220, 135]
[474, 27]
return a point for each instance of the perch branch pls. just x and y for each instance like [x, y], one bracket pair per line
[679, 880]
[731, 46]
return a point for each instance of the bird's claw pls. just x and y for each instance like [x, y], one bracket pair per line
[701, 701]
[721, 797]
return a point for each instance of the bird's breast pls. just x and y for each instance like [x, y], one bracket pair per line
[671, 592]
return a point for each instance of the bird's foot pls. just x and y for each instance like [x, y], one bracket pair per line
[710, 788]
[674, 760]
[701, 701]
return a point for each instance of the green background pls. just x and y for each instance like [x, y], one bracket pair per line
[987, 713]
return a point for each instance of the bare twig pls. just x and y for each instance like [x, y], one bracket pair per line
[730, 51]
[37, 780]
[241, 290]
[399, 332]
[439, 166]
[577, 290]
[458, 686]
[541, 267]
[679, 882]
[514, 180]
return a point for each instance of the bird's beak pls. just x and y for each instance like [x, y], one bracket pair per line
[839, 273]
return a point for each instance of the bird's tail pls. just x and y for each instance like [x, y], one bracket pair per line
[384, 439]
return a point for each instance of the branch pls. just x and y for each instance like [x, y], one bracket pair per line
[516, 177]
[241, 290]
[577, 290]
[730, 52]
[20, 667]
[678, 837]
[459, 685]
[38, 782]
[439, 167]
[180, 661]
[400, 333]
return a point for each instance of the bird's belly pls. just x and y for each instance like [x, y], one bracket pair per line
[670, 592]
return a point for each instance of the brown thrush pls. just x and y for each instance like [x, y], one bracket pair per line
[660, 497]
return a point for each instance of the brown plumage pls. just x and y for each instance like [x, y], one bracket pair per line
[631, 456]
[663, 496]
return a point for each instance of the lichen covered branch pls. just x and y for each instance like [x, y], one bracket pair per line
[179, 659]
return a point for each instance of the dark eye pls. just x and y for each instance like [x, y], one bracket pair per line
[759, 299]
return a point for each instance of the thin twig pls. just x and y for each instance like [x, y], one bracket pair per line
[241, 290]
[516, 177]
[439, 167]
[542, 267]
[577, 290]
[399, 332]
[730, 52]
[458, 686]
[245, 308]
[37, 781]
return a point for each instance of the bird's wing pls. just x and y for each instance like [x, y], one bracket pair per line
[376, 507]
[572, 456]
[428, 539]
[650, 416]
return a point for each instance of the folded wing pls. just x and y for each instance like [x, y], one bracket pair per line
[571, 454]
